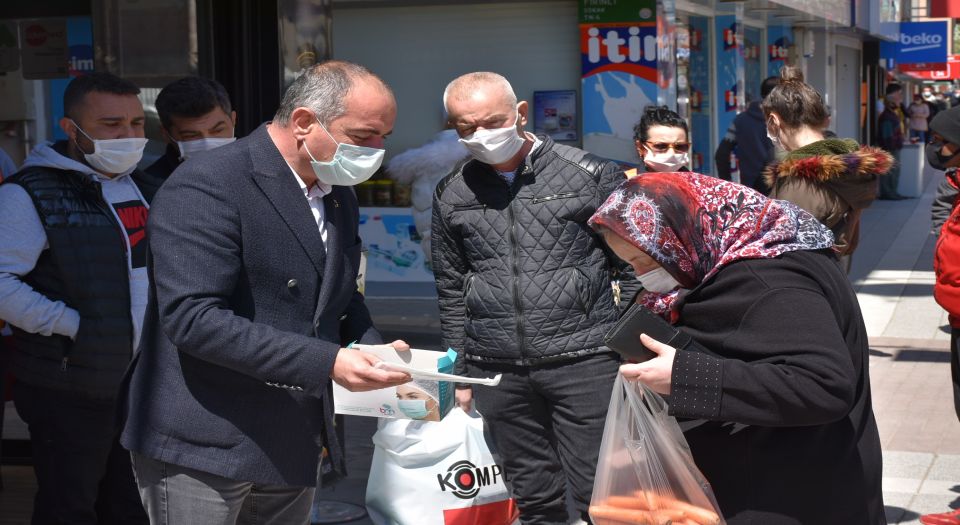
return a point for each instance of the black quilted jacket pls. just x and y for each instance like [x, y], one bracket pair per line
[521, 278]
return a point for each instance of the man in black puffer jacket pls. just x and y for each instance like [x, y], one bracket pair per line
[525, 290]
[73, 285]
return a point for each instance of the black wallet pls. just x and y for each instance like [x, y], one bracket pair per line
[624, 337]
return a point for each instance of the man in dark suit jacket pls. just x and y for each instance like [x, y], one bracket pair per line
[255, 253]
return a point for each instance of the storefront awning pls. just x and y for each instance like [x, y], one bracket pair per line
[944, 9]
[950, 72]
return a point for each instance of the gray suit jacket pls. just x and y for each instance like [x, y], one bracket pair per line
[246, 315]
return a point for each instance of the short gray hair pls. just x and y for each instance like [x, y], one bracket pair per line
[323, 88]
[464, 84]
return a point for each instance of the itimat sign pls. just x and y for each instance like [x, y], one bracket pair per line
[918, 42]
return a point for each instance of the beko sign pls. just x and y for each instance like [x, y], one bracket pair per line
[919, 42]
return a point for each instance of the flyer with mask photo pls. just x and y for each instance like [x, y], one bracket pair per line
[420, 399]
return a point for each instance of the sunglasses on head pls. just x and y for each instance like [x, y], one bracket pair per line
[662, 147]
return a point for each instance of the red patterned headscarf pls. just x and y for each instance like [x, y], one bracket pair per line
[693, 225]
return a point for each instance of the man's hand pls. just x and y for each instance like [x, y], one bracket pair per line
[464, 397]
[354, 370]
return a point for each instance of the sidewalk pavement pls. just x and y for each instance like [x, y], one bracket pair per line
[910, 360]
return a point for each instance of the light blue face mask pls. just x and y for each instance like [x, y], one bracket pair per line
[413, 408]
[351, 164]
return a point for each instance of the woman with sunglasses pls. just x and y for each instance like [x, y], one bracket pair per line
[662, 141]
[834, 179]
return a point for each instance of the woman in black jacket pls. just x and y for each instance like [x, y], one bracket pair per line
[774, 396]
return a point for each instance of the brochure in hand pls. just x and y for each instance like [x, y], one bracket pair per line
[428, 397]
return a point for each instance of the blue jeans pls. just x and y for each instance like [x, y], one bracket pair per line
[175, 495]
[921, 134]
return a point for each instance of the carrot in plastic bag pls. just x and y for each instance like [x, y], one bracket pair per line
[698, 514]
[635, 516]
[627, 502]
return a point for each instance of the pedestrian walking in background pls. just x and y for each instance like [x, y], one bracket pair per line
[833, 179]
[943, 153]
[891, 134]
[932, 104]
[73, 278]
[253, 285]
[919, 116]
[524, 290]
[781, 426]
[747, 138]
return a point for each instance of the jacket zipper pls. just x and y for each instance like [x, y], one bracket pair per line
[103, 205]
[553, 197]
[514, 246]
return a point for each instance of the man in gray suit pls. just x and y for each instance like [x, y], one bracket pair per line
[254, 257]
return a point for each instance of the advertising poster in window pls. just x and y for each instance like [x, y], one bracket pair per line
[753, 62]
[394, 250]
[779, 42]
[555, 114]
[618, 49]
[729, 35]
[79, 62]
[700, 98]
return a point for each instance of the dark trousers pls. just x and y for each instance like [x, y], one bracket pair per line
[890, 182]
[546, 423]
[83, 474]
[955, 367]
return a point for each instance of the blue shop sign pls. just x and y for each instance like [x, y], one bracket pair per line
[919, 42]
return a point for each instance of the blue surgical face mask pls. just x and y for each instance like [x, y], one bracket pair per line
[351, 164]
[413, 408]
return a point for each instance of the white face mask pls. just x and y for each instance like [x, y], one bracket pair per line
[113, 156]
[494, 146]
[667, 161]
[774, 139]
[658, 281]
[351, 164]
[190, 148]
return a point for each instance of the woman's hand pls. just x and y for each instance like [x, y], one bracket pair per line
[656, 373]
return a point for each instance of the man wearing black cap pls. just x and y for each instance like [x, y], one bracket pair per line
[943, 153]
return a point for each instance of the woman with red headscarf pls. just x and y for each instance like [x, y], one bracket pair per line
[774, 395]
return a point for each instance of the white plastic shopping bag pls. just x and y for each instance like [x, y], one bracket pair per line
[436, 473]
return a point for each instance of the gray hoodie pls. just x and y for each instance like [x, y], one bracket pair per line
[23, 239]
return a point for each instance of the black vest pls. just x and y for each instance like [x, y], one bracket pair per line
[85, 266]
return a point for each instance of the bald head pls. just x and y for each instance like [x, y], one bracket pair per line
[481, 84]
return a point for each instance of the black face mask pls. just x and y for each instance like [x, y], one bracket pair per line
[937, 160]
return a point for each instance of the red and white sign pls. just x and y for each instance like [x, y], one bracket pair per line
[950, 72]
[43, 48]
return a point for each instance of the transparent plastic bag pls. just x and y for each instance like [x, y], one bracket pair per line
[645, 473]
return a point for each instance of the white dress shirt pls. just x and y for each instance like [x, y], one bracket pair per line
[314, 195]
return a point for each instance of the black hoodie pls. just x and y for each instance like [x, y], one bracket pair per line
[748, 135]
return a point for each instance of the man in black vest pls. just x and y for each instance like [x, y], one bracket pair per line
[195, 117]
[73, 284]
